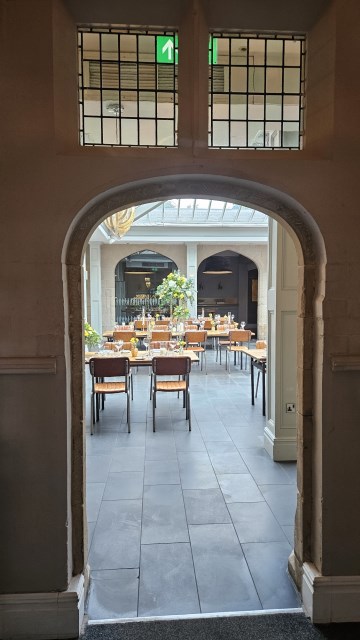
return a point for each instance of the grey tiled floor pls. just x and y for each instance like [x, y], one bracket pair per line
[183, 523]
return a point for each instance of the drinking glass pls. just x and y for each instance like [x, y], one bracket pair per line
[146, 343]
[119, 345]
[242, 324]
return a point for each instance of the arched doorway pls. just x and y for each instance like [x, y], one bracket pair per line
[228, 282]
[136, 278]
[311, 257]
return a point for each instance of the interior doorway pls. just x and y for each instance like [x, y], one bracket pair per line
[97, 213]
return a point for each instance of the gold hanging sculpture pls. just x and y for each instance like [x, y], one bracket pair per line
[120, 222]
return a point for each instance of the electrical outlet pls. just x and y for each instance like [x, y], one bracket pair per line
[290, 407]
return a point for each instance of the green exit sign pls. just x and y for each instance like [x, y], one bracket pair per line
[167, 49]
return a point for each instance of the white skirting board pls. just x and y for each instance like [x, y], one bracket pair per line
[43, 616]
[330, 598]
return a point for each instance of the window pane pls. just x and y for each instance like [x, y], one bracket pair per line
[273, 107]
[238, 107]
[255, 134]
[109, 46]
[257, 51]
[165, 135]
[292, 53]
[129, 135]
[221, 107]
[92, 104]
[220, 134]
[256, 79]
[274, 52]
[146, 104]
[291, 80]
[256, 110]
[274, 80]
[238, 134]
[147, 132]
[238, 79]
[91, 46]
[110, 131]
[92, 130]
[291, 134]
[291, 108]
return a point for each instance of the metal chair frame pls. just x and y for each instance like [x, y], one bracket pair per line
[101, 368]
[172, 366]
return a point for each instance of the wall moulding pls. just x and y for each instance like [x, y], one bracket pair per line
[28, 365]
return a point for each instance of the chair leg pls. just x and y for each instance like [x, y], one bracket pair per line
[154, 405]
[151, 381]
[128, 411]
[92, 418]
[257, 384]
[97, 402]
[188, 409]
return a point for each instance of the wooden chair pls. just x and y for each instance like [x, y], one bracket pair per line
[102, 368]
[196, 341]
[259, 344]
[160, 336]
[191, 327]
[237, 339]
[172, 366]
[124, 335]
[222, 343]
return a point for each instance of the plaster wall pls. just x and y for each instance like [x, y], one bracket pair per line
[47, 181]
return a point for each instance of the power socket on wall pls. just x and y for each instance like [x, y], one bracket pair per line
[290, 407]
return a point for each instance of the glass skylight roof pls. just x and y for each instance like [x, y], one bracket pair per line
[198, 211]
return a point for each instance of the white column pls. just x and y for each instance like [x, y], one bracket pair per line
[280, 432]
[95, 286]
[191, 272]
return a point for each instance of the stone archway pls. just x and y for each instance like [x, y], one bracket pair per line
[311, 259]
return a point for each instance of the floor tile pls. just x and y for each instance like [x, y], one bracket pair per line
[94, 494]
[196, 473]
[124, 485]
[116, 539]
[161, 472]
[282, 501]
[267, 562]
[100, 443]
[205, 506]
[289, 533]
[213, 431]
[255, 522]
[131, 459]
[97, 468]
[167, 581]
[222, 576]
[246, 438]
[239, 487]
[163, 515]
[113, 594]
[263, 469]
[227, 462]
[189, 441]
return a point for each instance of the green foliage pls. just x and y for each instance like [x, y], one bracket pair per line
[91, 336]
[176, 288]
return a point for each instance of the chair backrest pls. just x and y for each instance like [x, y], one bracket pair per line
[207, 324]
[260, 344]
[195, 337]
[124, 335]
[123, 327]
[240, 335]
[109, 367]
[110, 346]
[191, 327]
[164, 323]
[169, 366]
[160, 335]
[138, 324]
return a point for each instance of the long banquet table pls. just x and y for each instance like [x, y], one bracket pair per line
[141, 360]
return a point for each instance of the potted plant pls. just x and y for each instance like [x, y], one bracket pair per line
[177, 290]
[134, 347]
[91, 337]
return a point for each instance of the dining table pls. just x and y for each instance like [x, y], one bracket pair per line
[143, 359]
[258, 360]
